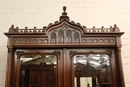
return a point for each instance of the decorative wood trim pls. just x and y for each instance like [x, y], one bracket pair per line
[28, 41]
[72, 53]
[110, 53]
[57, 53]
[64, 34]
[99, 40]
[19, 53]
[86, 41]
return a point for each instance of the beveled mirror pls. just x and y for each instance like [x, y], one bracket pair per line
[92, 70]
[38, 71]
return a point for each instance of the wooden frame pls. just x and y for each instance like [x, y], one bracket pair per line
[64, 38]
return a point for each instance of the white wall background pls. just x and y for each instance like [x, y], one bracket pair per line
[40, 13]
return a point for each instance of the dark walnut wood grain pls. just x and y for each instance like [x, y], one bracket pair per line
[64, 39]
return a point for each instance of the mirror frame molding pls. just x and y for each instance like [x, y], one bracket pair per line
[109, 52]
[83, 37]
[20, 53]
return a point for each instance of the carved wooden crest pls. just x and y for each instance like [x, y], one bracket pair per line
[65, 32]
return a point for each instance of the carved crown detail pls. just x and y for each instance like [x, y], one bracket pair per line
[63, 18]
[65, 31]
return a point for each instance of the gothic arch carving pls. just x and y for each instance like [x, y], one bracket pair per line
[60, 37]
[64, 35]
[65, 31]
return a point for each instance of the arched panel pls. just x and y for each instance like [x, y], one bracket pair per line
[68, 36]
[61, 37]
[76, 37]
[53, 38]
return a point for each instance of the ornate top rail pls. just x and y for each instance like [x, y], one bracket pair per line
[63, 18]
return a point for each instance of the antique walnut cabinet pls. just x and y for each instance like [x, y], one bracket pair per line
[64, 54]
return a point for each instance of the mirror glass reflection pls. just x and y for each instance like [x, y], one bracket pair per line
[92, 70]
[38, 71]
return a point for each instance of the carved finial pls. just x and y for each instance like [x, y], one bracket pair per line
[44, 27]
[79, 24]
[35, 30]
[64, 9]
[12, 29]
[16, 30]
[50, 24]
[56, 21]
[12, 26]
[102, 27]
[116, 29]
[35, 27]
[64, 14]
[17, 27]
[93, 29]
[26, 27]
[72, 22]
[84, 27]
[26, 31]
[115, 25]
[111, 29]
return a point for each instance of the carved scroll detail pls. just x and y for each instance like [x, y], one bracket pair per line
[109, 52]
[72, 53]
[19, 53]
[57, 53]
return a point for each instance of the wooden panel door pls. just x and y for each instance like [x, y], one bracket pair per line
[36, 79]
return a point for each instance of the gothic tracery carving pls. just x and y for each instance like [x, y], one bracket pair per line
[68, 36]
[69, 40]
[76, 37]
[65, 35]
[57, 53]
[99, 40]
[28, 41]
[53, 38]
[72, 53]
[61, 36]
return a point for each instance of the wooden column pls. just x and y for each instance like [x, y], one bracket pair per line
[8, 68]
[120, 67]
[64, 67]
